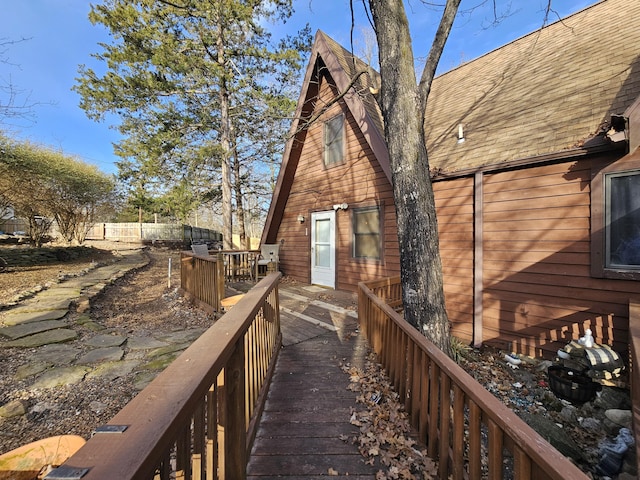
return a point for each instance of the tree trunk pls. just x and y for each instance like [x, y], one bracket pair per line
[245, 242]
[421, 266]
[225, 143]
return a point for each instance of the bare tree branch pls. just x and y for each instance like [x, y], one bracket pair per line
[446, 22]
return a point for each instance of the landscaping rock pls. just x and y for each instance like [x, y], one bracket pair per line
[622, 418]
[15, 408]
[113, 370]
[144, 343]
[56, 354]
[611, 397]
[31, 369]
[591, 423]
[555, 435]
[97, 407]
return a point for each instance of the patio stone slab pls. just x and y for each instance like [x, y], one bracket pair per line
[61, 376]
[58, 354]
[39, 304]
[31, 328]
[144, 343]
[113, 370]
[160, 362]
[142, 379]
[159, 352]
[60, 335]
[36, 316]
[106, 340]
[62, 292]
[31, 369]
[182, 335]
[86, 321]
[107, 354]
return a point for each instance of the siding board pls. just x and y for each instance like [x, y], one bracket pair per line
[538, 291]
[454, 204]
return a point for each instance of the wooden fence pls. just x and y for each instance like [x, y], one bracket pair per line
[464, 427]
[198, 418]
[14, 225]
[202, 280]
[134, 232]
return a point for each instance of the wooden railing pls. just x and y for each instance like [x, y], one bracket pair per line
[240, 265]
[198, 418]
[202, 280]
[634, 352]
[463, 426]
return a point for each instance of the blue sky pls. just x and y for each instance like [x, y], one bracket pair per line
[59, 37]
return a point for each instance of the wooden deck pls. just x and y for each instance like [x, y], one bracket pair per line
[309, 406]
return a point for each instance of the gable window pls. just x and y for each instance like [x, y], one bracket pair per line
[622, 220]
[334, 140]
[367, 233]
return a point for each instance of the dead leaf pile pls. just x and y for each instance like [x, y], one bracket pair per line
[384, 426]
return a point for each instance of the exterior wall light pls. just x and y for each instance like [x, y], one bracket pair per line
[301, 218]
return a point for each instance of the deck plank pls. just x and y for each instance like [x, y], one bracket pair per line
[305, 430]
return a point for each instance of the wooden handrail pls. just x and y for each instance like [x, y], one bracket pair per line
[197, 419]
[634, 352]
[459, 421]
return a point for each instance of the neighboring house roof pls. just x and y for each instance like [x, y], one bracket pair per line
[550, 91]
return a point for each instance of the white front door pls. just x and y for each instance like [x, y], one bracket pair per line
[323, 248]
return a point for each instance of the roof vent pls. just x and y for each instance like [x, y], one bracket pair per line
[460, 133]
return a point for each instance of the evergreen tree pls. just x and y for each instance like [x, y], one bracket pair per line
[190, 81]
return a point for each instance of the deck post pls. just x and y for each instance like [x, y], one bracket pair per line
[219, 279]
[235, 449]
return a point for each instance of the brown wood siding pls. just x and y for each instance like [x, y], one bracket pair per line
[538, 292]
[358, 181]
[454, 203]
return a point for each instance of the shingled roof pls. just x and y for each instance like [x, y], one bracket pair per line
[549, 91]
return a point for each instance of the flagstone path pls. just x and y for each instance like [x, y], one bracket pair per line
[62, 356]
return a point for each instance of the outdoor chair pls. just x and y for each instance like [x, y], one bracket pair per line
[267, 260]
[200, 249]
